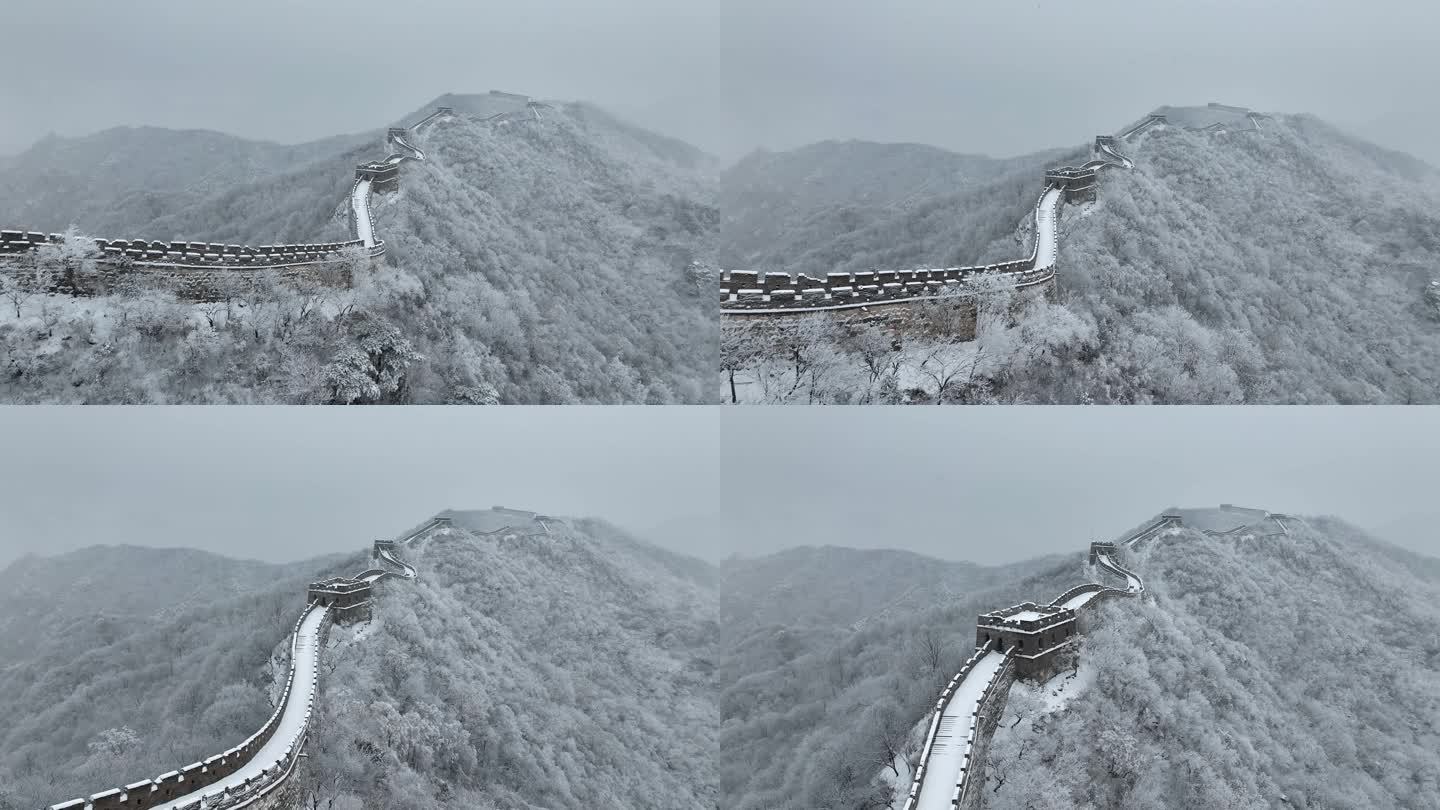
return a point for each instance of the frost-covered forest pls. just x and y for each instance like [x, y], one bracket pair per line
[558, 672]
[539, 672]
[590, 669]
[120, 181]
[1299, 671]
[530, 262]
[1290, 266]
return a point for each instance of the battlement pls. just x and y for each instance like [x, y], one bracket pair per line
[1033, 634]
[349, 599]
[1078, 182]
[1101, 547]
[384, 177]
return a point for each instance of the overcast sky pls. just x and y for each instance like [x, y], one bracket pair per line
[283, 484]
[995, 485]
[1000, 78]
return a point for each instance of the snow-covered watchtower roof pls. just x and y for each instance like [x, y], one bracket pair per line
[1032, 633]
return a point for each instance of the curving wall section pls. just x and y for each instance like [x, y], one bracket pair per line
[952, 759]
[254, 769]
[746, 292]
[1011, 642]
[200, 270]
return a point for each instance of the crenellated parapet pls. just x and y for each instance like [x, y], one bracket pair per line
[1032, 634]
[1078, 182]
[348, 599]
[1099, 549]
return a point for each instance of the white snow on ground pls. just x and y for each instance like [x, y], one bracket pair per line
[1027, 615]
[952, 738]
[360, 205]
[1045, 231]
[898, 779]
[1132, 582]
[1078, 600]
[292, 719]
[1056, 693]
[408, 571]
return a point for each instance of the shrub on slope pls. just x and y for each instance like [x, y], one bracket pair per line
[563, 671]
[1299, 667]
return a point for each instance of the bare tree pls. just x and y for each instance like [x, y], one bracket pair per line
[16, 292]
[931, 650]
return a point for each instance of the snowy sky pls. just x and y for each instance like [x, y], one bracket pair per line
[282, 484]
[996, 485]
[1001, 78]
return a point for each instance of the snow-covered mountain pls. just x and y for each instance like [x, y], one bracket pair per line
[826, 648]
[1286, 671]
[561, 665]
[546, 256]
[1290, 263]
[1280, 664]
[120, 180]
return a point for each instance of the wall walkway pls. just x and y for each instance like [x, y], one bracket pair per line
[255, 768]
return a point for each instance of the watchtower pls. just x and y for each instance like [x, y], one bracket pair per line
[1098, 548]
[348, 598]
[382, 545]
[384, 177]
[1033, 634]
[1078, 183]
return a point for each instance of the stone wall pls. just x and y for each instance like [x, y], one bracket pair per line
[1032, 643]
[987, 717]
[204, 271]
[198, 775]
[753, 294]
[215, 283]
[335, 597]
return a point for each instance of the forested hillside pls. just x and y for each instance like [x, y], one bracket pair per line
[1298, 671]
[122, 663]
[117, 182]
[548, 261]
[557, 671]
[566, 671]
[1285, 266]
[813, 709]
[842, 206]
[50, 600]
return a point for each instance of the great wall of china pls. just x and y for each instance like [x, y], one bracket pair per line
[1026, 641]
[252, 773]
[779, 296]
[202, 271]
